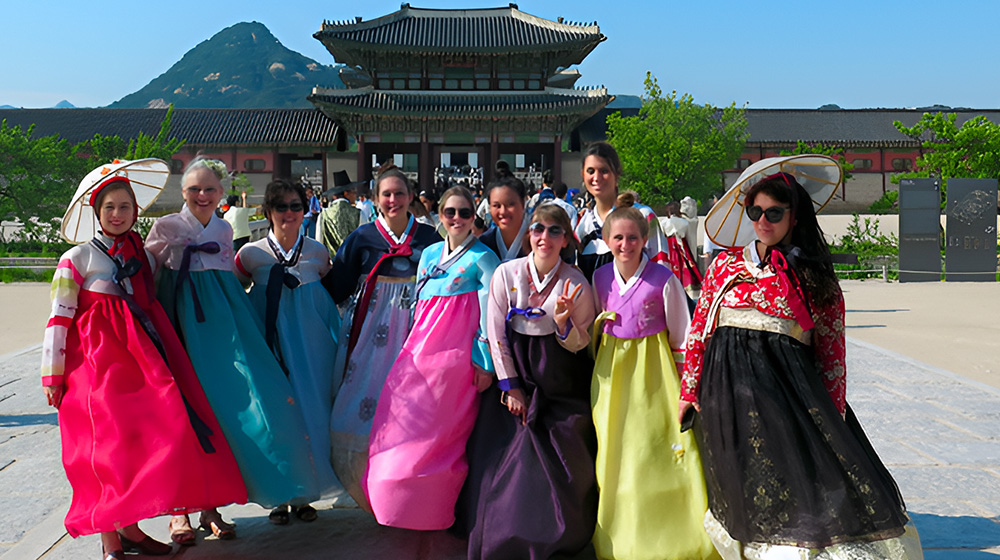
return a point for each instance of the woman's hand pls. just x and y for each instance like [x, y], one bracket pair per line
[482, 379]
[54, 393]
[684, 406]
[565, 305]
[515, 404]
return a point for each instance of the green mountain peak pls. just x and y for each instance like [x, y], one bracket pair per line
[242, 66]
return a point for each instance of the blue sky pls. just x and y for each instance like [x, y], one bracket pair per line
[776, 54]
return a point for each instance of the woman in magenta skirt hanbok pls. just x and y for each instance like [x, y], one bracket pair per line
[416, 453]
[132, 413]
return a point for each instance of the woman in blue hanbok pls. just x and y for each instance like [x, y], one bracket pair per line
[301, 322]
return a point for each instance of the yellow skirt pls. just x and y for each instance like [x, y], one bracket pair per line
[652, 490]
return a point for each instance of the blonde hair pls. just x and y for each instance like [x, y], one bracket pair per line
[626, 213]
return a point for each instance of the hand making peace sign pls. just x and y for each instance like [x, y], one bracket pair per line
[565, 305]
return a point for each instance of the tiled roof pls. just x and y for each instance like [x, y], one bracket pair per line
[459, 105]
[847, 127]
[201, 127]
[479, 30]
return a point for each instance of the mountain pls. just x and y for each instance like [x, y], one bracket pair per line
[7, 107]
[64, 105]
[242, 66]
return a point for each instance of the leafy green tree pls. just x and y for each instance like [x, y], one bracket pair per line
[37, 177]
[675, 147]
[969, 151]
[103, 149]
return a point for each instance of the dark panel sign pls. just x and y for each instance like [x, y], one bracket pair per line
[919, 230]
[971, 231]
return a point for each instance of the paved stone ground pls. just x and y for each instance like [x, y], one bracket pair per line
[939, 434]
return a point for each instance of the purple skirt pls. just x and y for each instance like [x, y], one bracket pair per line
[531, 490]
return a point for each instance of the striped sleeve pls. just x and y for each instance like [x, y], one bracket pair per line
[64, 294]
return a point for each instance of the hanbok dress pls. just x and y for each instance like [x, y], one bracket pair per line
[301, 326]
[494, 240]
[133, 418]
[595, 253]
[417, 462]
[374, 274]
[534, 493]
[649, 474]
[224, 337]
[680, 258]
[789, 470]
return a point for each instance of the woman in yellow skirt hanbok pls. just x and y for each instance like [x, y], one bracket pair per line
[652, 491]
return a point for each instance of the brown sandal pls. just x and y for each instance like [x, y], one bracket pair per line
[213, 522]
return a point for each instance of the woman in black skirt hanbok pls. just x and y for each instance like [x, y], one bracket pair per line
[790, 473]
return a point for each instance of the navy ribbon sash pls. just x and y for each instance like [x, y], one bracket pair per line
[277, 277]
[184, 275]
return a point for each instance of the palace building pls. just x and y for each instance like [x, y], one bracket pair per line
[474, 86]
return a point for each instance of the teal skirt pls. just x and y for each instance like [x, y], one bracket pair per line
[248, 391]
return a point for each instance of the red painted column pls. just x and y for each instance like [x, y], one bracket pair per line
[363, 166]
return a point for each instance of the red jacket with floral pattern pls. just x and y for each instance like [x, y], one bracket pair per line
[741, 284]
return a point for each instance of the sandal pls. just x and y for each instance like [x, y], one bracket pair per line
[213, 522]
[305, 513]
[114, 554]
[279, 515]
[181, 531]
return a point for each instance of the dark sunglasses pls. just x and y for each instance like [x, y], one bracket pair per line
[773, 214]
[539, 228]
[294, 207]
[464, 213]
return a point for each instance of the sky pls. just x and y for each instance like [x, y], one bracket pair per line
[776, 54]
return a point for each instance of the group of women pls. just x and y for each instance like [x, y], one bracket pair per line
[530, 388]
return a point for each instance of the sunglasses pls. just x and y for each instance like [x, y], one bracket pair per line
[294, 207]
[773, 214]
[463, 213]
[539, 228]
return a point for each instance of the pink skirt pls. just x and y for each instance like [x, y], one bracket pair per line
[426, 411]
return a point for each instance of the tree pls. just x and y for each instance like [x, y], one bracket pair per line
[103, 149]
[674, 147]
[37, 176]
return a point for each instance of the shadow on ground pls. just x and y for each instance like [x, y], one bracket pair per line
[965, 532]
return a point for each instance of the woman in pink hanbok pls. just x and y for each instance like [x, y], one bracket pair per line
[426, 411]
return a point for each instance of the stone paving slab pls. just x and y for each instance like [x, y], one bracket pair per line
[937, 433]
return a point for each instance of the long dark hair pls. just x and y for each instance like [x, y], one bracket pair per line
[812, 263]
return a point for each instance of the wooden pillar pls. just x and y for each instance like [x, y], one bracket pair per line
[322, 157]
[363, 158]
[424, 167]
[490, 166]
[557, 160]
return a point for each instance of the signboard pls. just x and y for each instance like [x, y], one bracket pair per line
[920, 230]
[971, 231]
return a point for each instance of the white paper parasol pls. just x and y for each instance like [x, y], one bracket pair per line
[727, 224]
[148, 176]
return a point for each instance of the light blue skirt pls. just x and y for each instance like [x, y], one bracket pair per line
[308, 326]
[248, 391]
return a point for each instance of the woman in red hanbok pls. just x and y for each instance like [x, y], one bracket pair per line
[132, 414]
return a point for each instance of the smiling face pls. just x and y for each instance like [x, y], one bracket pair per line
[544, 244]
[506, 208]
[202, 192]
[767, 233]
[287, 216]
[626, 242]
[117, 213]
[601, 181]
[457, 226]
[393, 197]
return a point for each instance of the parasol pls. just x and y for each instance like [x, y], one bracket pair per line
[727, 224]
[148, 176]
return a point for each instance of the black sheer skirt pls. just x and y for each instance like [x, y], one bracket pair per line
[781, 464]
